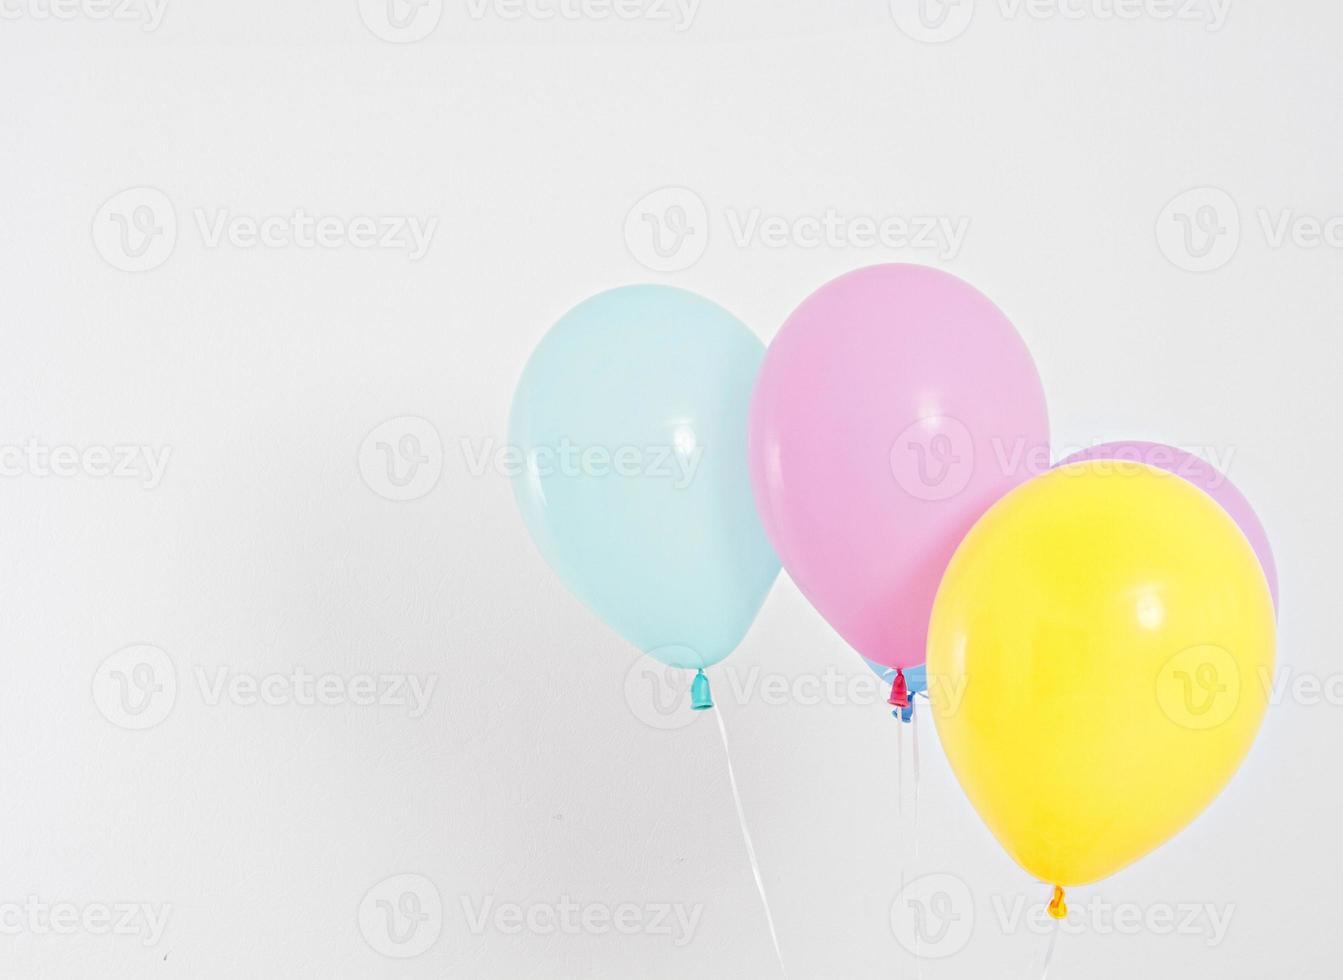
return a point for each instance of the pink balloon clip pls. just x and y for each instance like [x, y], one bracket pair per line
[899, 691]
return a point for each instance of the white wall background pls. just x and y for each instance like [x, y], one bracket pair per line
[252, 840]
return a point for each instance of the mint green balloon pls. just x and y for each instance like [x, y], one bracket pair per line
[632, 418]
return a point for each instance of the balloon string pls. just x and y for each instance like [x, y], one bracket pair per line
[918, 940]
[914, 723]
[750, 847]
[899, 769]
[900, 960]
[900, 809]
[1049, 951]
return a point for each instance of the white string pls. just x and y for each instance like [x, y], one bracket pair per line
[750, 848]
[1049, 952]
[917, 960]
[899, 766]
[914, 721]
[1049, 949]
[900, 807]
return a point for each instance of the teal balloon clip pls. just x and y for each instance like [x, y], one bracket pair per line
[701, 699]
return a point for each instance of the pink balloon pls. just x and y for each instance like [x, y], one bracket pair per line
[895, 406]
[1207, 478]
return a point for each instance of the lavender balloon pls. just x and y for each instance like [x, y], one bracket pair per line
[1203, 475]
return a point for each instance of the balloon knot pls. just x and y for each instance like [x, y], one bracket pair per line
[1058, 908]
[899, 691]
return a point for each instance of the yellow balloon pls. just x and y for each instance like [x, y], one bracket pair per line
[1098, 660]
